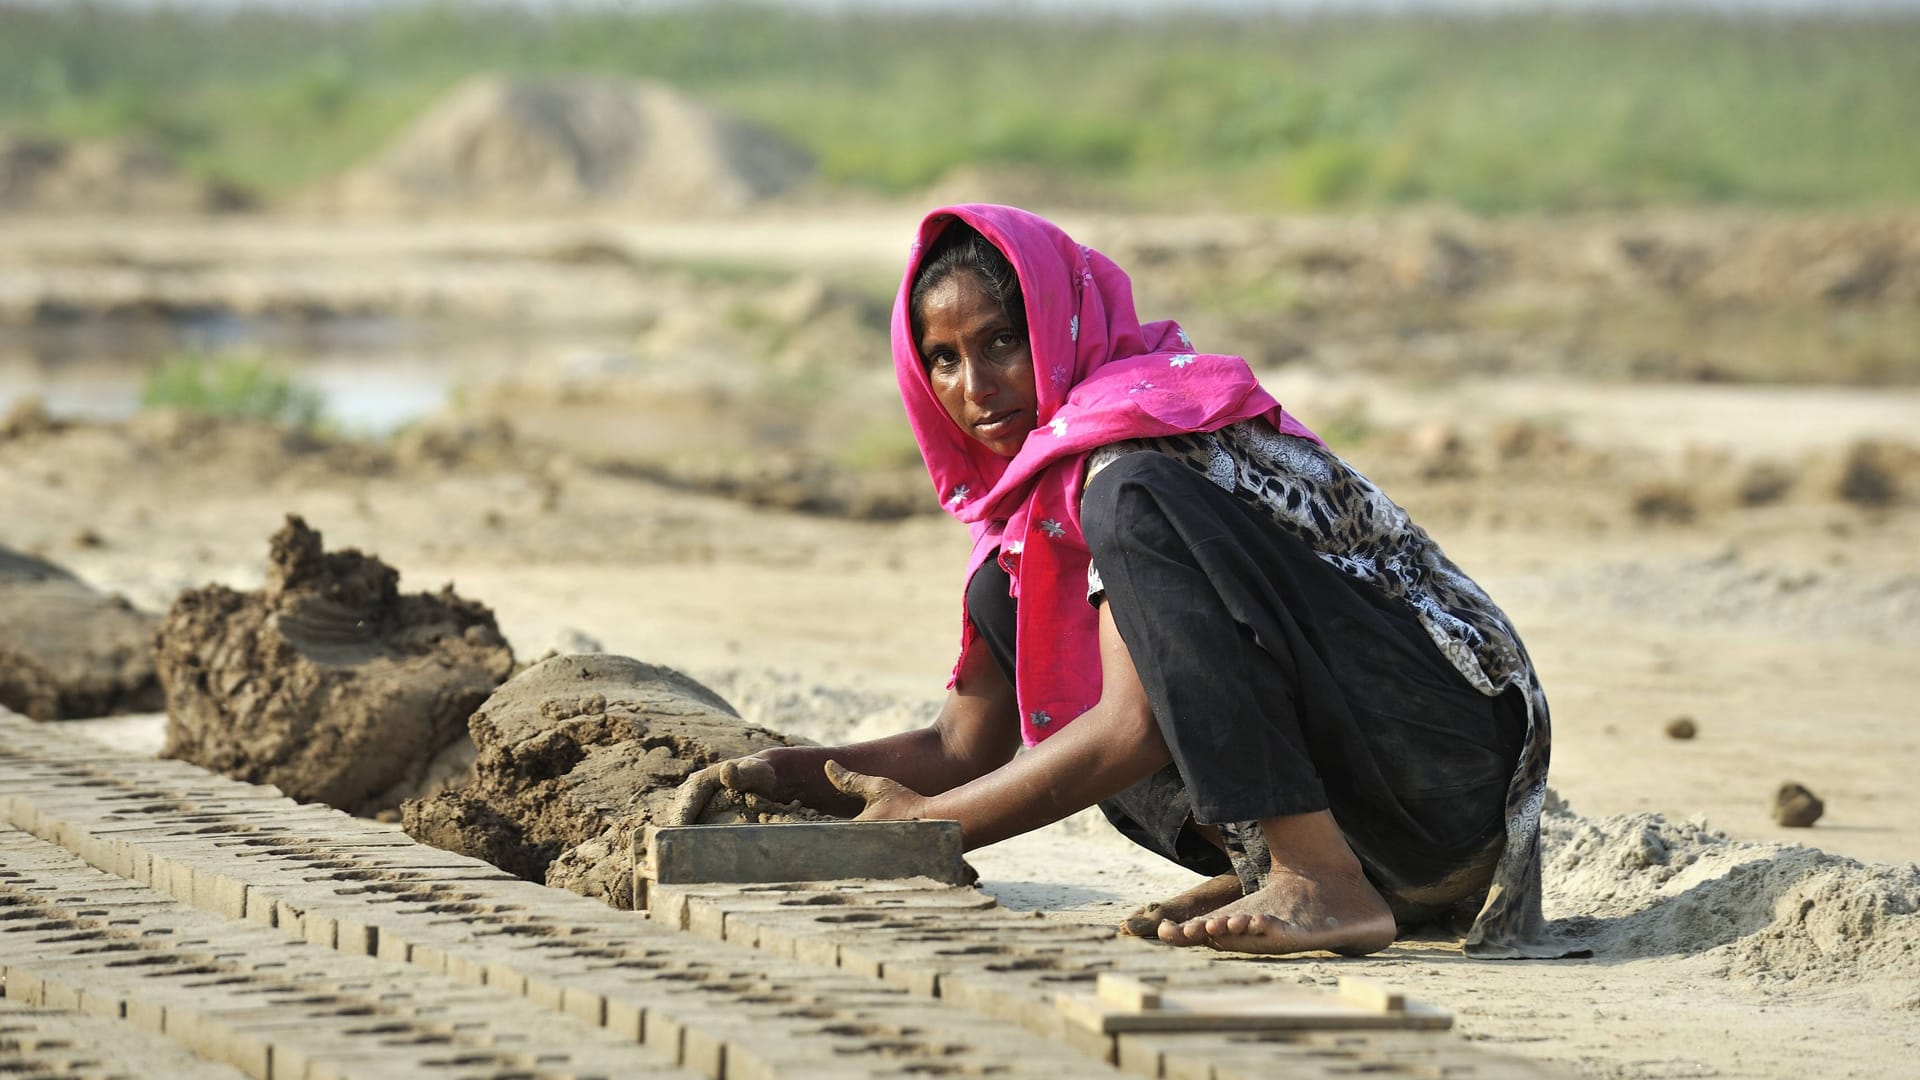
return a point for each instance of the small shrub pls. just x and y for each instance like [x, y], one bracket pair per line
[244, 386]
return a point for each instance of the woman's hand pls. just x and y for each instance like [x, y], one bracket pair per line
[887, 800]
[751, 775]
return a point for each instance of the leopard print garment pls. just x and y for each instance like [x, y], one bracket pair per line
[1352, 525]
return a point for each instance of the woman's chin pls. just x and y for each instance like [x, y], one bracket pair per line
[1005, 446]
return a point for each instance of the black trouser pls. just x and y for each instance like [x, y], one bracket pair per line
[1282, 687]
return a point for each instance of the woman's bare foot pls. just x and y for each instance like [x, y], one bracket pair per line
[1206, 897]
[1293, 913]
[1317, 897]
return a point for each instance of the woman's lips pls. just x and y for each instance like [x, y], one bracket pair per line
[998, 423]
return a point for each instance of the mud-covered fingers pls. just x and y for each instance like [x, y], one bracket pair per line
[754, 775]
[695, 793]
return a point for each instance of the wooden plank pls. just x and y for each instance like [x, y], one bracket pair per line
[1126, 992]
[1275, 1007]
[1371, 996]
[805, 851]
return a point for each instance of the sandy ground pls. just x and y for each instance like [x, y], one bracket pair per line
[1787, 631]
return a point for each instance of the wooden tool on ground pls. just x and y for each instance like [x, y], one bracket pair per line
[1122, 1003]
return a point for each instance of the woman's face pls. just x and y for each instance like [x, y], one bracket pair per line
[980, 365]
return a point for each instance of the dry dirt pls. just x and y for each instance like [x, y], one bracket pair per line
[1744, 553]
[560, 144]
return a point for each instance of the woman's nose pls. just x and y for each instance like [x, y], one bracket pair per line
[980, 384]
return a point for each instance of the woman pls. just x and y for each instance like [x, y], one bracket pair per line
[1195, 616]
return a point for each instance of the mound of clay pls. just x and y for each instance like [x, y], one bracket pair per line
[327, 682]
[577, 754]
[50, 176]
[1786, 917]
[68, 652]
[558, 144]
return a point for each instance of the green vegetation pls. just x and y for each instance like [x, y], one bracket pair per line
[1544, 112]
[232, 386]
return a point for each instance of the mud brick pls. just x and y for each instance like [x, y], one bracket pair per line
[1089, 1042]
[372, 1061]
[914, 968]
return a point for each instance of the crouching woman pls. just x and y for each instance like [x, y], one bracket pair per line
[1196, 616]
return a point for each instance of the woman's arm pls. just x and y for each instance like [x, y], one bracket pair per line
[977, 731]
[1109, 748]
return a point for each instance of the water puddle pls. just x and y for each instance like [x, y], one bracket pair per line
[374, 376]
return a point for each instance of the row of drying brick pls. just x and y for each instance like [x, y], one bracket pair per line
[251, 857]
[76, 939]
[53, 1044]
[1012, 968]
[353, 885]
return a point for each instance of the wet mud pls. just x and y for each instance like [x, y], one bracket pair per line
[576, 755]
[328, 682]
[67, 651]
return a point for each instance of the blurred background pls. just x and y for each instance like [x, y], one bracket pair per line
[356, 215]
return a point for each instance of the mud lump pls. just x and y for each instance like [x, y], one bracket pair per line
[328, 682]
[68, 652]
[577, 755]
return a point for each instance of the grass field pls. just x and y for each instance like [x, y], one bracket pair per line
[1517, 113]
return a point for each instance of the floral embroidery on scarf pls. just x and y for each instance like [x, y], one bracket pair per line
[1053, 529]
[1139, 386]
[1185, 341]
[1040, 718]
[1073, 328]
[1058, 426]
[1015, 547]
[959, 496]
[1182, 360]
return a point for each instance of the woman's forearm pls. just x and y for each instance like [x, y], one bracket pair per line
[914, 758]
[1103, 752]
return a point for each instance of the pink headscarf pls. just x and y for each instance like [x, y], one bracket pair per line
[1100, 377]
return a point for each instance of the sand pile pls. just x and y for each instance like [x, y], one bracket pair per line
[570, 143]
[67, 651]
[40, 175]
[577, 753]
[327, 682]
[1778, 917]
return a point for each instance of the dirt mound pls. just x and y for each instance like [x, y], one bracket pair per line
[576, 754]
[1777, 916]
[1031, 186]
[68, 652]
[39, 175]
[327, 682]
[569, 143]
